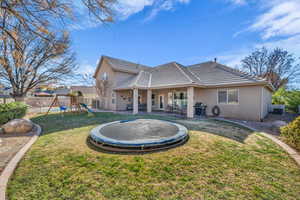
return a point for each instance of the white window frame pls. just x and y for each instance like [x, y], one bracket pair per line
[104, 76]
[153, 103]
[227, 89]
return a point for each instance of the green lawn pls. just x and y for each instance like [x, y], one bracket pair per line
[220, 161]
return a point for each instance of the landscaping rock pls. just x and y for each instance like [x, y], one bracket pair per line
[18, 126]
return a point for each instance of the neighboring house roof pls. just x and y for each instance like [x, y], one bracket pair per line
[62, 91]
[84, 89]
[205, 74]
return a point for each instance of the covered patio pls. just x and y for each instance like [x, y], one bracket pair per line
[170, 100]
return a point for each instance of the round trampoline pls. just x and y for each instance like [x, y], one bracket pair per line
[140, 135]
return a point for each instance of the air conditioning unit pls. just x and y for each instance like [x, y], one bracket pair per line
[277, 109]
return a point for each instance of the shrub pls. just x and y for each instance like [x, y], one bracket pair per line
[290, 98]
[291, 133]
[11, 111]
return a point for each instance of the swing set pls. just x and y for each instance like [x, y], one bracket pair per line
[74, 106]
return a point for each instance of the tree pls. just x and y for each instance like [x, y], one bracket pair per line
[289, 98]
[277, 66]
[30, 60]
[42, 17]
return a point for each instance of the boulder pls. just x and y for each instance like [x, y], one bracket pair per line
[18, 126]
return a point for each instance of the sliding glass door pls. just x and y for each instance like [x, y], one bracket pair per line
[178, 100]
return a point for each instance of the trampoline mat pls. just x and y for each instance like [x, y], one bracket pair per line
[140, 129]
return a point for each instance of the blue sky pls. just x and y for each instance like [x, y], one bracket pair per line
[154, 32]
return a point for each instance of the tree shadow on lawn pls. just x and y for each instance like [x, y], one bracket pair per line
[55, 122]
[220, 128]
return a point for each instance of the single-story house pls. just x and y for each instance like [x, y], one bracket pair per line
[174, 87]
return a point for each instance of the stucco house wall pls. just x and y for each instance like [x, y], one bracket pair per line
[266, 101]
[248, 108]
[106, 101]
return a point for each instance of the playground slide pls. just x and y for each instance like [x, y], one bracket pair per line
[86, 107]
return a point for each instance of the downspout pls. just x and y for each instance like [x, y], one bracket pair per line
[262, 104]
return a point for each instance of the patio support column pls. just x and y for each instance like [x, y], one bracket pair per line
[190, 102]
[149, 101]
[135, 101]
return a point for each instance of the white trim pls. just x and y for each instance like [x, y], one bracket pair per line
[163, 102]
[183, 72]
[150, 80]
[262, 104]
[137, 78]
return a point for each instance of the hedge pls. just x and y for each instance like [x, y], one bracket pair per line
[11, 111]
[290, 98]
[291, 133]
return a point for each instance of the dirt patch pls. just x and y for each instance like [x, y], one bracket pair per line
[10, 145]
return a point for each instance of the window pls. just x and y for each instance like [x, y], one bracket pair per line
[233, 96]
[222, 96]
[104, 76]
[170, 98]
[113, 101]
[153, 99]
[228, 96]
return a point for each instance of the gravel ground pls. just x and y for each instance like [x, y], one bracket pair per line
[267, 125]
[10, 145]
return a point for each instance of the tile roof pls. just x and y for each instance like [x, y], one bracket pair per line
[211, 73]
[173, 73]
[124, 65]
[169, 74]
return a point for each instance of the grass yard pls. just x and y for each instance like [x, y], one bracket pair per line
[220, 161]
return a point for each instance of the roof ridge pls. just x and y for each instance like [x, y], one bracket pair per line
[197, 77]
[241, 73]
[183, 72]
[137, 78]
[194, 65]
[123, 60]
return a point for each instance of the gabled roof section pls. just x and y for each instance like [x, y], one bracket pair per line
[212, 73]
[141, 80]
[169, 74]
[122, 65]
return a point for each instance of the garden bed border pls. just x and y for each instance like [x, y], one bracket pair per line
[13, 163]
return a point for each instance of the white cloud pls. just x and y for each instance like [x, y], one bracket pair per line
[278, 26]
[127, 8]
[281, 18]
[124, 9]
[238, 2]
